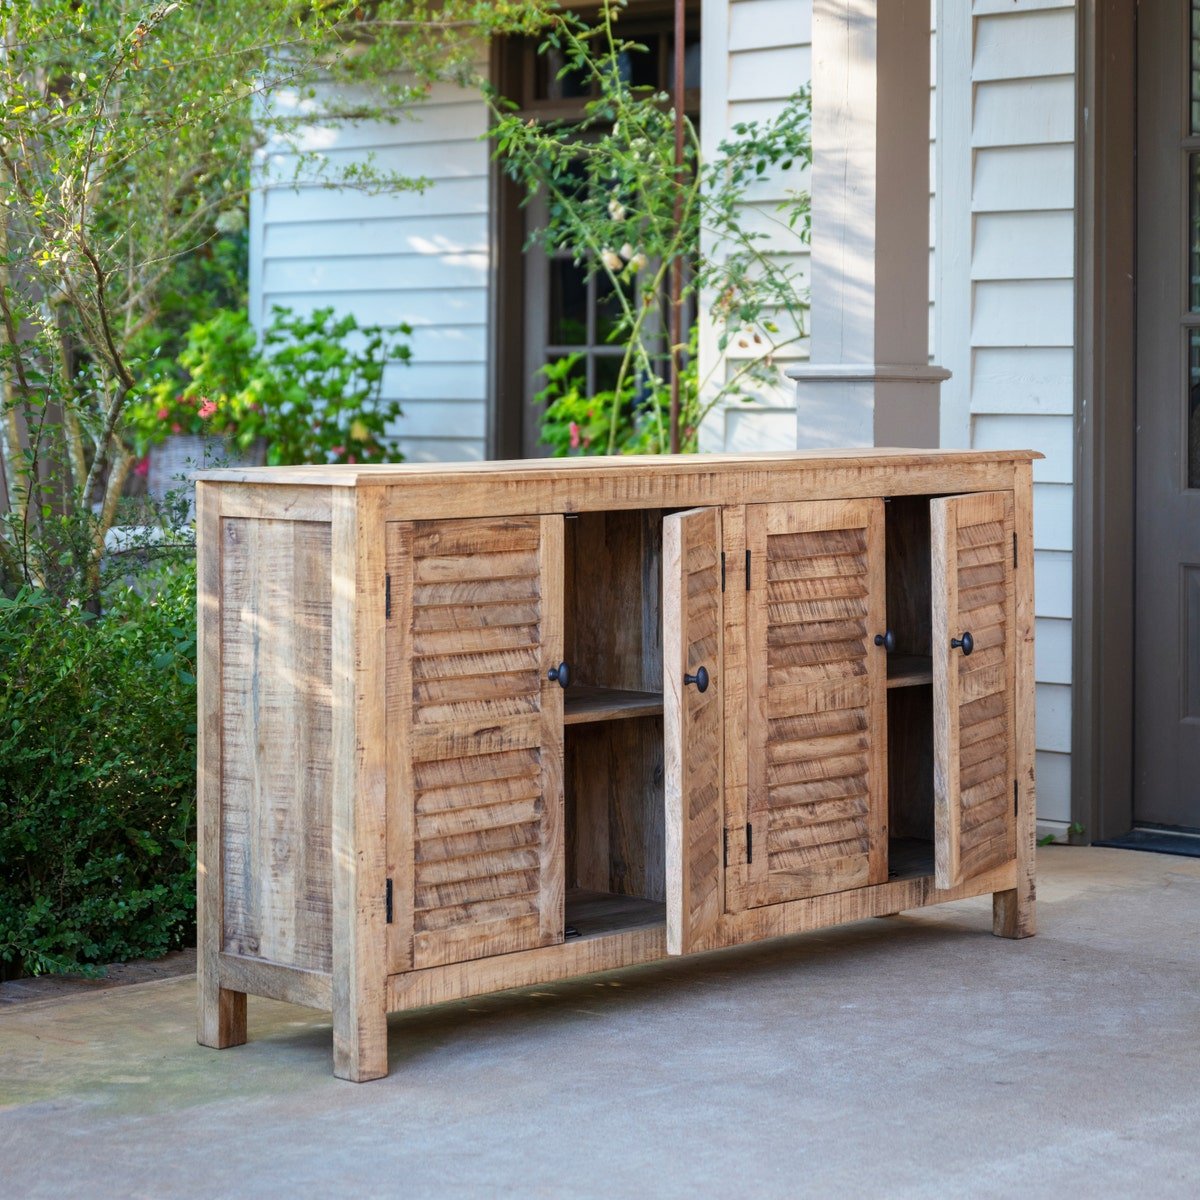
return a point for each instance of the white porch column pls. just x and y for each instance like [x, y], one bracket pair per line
[868, 381]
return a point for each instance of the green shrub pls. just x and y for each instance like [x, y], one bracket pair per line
[97, 776]
[312, 391]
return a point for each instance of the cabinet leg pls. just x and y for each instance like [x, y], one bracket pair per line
[221, 1019]
[360, 1049]
[1014, 913]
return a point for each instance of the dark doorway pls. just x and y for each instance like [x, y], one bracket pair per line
[1166, 752]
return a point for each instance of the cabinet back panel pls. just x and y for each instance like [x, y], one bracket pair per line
[613, 599]
[616, 836]
[909, 574]
[276, 779]
[910, 763]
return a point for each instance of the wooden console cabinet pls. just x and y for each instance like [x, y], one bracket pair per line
[465, 728]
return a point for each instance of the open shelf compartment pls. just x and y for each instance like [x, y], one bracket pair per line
[910, 688]
[614, 813]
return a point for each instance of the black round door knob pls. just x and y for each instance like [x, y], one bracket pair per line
[886, 640]
[560, 675]
[966, 643]
[700, 679]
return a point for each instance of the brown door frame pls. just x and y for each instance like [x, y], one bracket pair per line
[1103, 558]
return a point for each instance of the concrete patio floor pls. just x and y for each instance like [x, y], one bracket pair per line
[913, 1056]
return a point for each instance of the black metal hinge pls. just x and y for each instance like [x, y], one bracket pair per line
[722, 570]
[1014, 549]
[747, 570]
[387, 901]
[725, 847]
[749, 842]
[1014, 797]
[387, 597]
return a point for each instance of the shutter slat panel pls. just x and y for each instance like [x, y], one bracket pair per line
[480, 738]
[816, 682]
[975, 828]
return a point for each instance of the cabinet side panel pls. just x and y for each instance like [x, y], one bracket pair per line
[276, 783]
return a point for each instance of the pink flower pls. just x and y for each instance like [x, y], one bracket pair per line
[207, 408]
[163, 414]
[338, 450]
[142, 467]
[176, 427]
[351, 459]
[574, 435]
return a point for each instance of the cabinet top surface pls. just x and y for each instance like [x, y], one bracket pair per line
[600, 466]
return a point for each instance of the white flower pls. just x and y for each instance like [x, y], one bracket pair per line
[616, 209]
[638, 261]
[627, 252]
[232, 220]
[611, 261]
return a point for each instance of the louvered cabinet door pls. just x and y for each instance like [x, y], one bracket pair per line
[973, 729]
[475, 803]
[693, 725]
[817, 696]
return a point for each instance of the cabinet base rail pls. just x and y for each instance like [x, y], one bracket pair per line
[612, 951]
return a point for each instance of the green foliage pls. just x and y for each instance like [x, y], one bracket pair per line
[127, 136]
[97, 794]
[576, 422]
[311, 391]
[620, 206]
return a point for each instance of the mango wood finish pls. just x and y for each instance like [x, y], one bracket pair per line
[221, 1010]
[693, 724]
[359, 786]
[477, 860]
[602, 484]
[974, 769]
[1014, 912]
[276, 693]
[816, 683]
[398, 805]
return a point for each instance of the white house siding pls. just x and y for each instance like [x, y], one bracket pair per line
[420, 258]
[1006, 295]
[756, 54]
[1002, 300]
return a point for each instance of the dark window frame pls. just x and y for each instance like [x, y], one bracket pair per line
[513, 69]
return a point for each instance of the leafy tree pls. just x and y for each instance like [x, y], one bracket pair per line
[127, 132]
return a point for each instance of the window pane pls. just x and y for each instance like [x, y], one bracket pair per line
[548, 85]
[640, 68]
[608, 367]
[568, 304]
[1194, 232]
[1193, 409]
[1195, 72]
[691, 64]
[608, 308]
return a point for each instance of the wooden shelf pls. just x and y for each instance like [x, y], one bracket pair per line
[909, 670]
[598, 914]
[584, 704]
